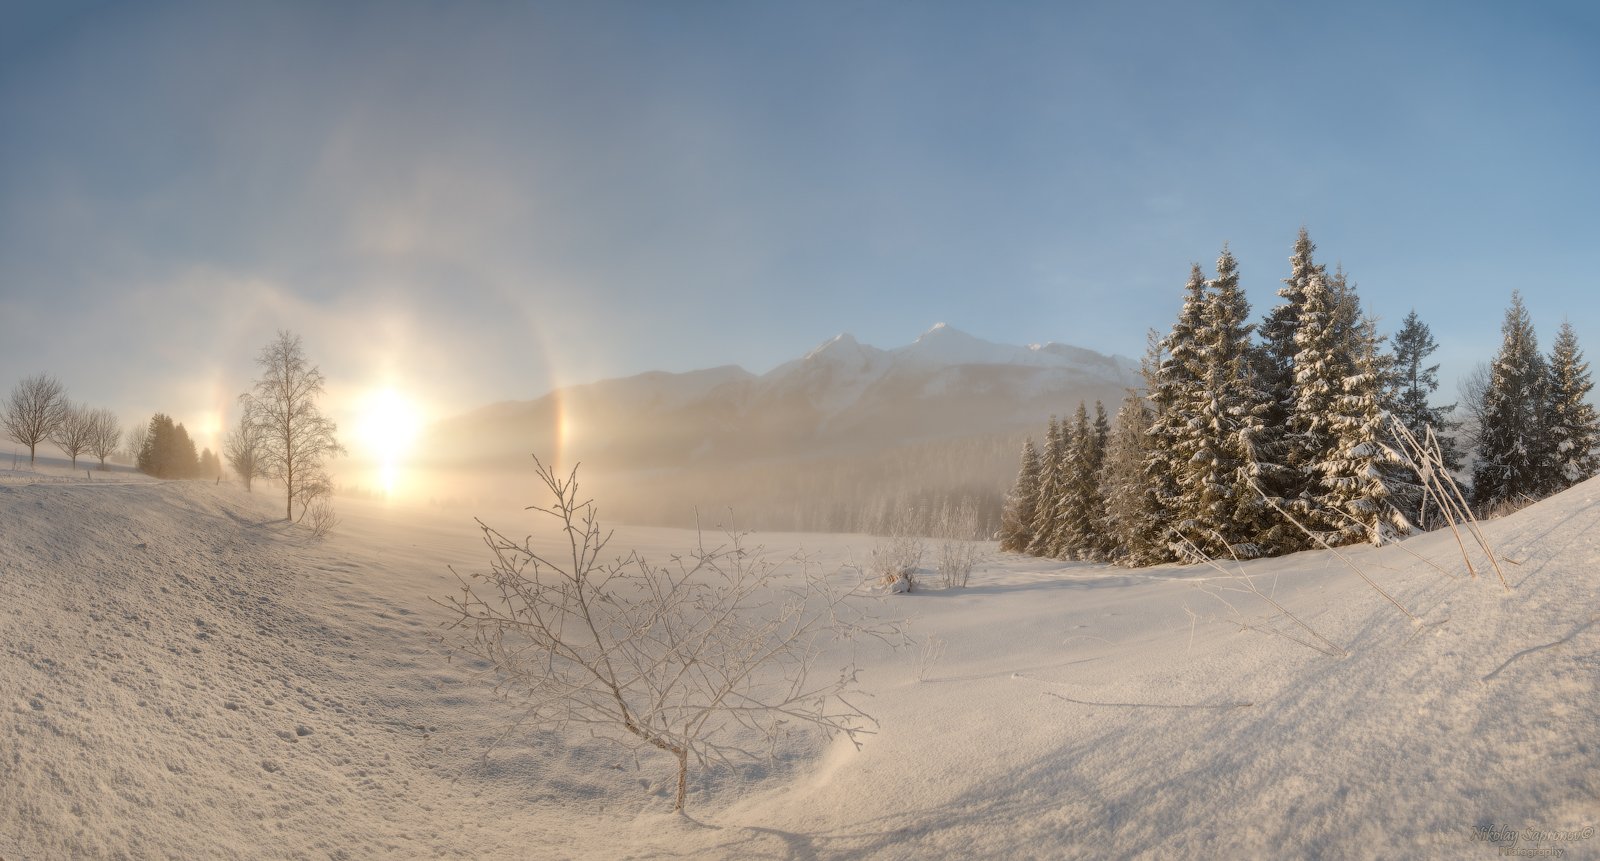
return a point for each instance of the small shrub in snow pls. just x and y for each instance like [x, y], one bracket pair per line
[321, 517]
[896, 556]
[709, 658]
[895, 561]
[958, 550]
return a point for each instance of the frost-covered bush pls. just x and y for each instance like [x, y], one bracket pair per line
[321, 517]
[895, 561]
[711, 658]
[958, 548]
[896, 556]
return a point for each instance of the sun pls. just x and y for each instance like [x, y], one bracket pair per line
[390, 422]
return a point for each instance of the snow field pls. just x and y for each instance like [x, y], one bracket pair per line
[183, 675]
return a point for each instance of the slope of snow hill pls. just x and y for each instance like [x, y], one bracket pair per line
[184, 675]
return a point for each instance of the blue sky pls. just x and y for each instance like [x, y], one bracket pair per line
[471, 202]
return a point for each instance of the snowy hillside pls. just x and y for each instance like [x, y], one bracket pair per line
[183, 675]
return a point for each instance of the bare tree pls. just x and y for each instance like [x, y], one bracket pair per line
[1473, 386]
[37, 407]
[244, 448]
[104, 435]
[708, 658]
[297, 439]
[72, 435]
[134, 443]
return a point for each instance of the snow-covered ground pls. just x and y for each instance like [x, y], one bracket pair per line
[183, 675]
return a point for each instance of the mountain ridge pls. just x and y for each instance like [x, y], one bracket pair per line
[842, 428]
[937, 346]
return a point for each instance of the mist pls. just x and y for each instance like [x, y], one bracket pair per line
[836, 440]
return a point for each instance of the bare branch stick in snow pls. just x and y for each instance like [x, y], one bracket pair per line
[1249, 586]
[1402, 545]
[932, 650]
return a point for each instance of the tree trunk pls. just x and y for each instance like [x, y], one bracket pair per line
[683, 778]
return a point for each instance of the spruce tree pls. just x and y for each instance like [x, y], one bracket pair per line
[1058, 540]
[1103, 543]
[168, 452]
[1512, 442]
[1049, 496]
[1286, 480]
[210, 464]
[1320, 368]
[1230, 518]
[1081, 502]
[1278, 345]
[147, 460]
[1132, 520]
[1367, 492]
[1017, 519]
[1174, 392]
[1571, 425]
[1415, 381]
[186, 458]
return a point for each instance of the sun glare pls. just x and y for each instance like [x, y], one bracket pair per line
[389, 425]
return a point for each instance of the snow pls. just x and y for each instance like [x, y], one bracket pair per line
[184, 675]
[943, 346]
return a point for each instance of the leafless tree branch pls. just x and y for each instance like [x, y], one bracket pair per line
[712, 657]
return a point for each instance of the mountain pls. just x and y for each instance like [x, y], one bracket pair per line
[843, 402]
[841, 396]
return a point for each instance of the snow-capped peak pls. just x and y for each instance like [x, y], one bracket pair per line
[942, 345]
[844, 342]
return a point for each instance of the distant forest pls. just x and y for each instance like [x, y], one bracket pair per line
[878, 491]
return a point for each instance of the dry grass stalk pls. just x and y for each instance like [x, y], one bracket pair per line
[1327, 648]
[1335, 551]
[1427, 459]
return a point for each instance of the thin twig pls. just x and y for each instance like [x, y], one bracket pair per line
[1402, 545]
[1332, 649]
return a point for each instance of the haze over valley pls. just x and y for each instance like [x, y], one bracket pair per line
[813, 444]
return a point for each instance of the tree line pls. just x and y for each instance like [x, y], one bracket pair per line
[282, 433]
[1242, 427]
[164, 449]
[39, 411]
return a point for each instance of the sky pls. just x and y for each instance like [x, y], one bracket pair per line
[459, 203]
